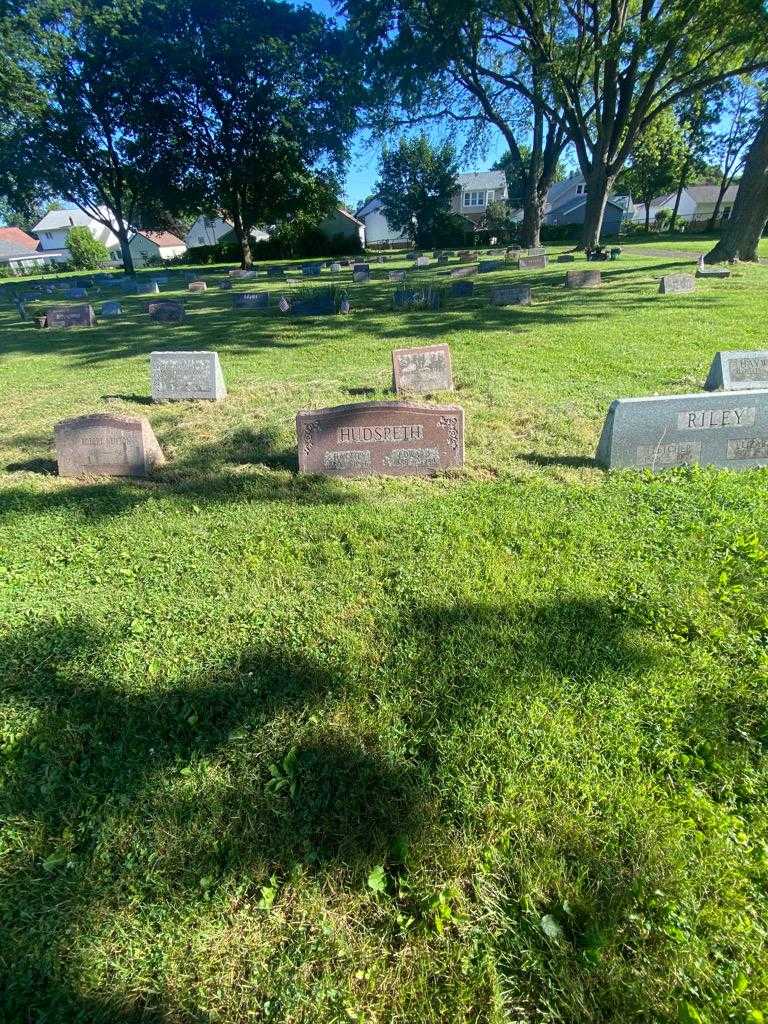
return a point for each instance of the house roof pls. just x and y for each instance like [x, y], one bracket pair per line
[576, 201]
[350, 216]
[161, 238]
[706, 194]
[371, 206]
[482, 180]
[18, 239]
[68, 219]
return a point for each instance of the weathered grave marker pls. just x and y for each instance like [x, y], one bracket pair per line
[71, 316]
[535, 262]
[181, 376]
[250, 300]
[726, 429]
[111, 309]
[738, 370]
[391, 438]
[361, 276]
[364, 267]
[422, 261]
[583, 279]
[396, 275]
[312, 269]
[488, 266]
[463, 271]
[197, 286]
[423, 369]
[166, 311]
[335, 268]
[566, 257]
[77, 293]
[104, 444]
[466, 257]
[462, 289]
[675, 284]
[511, 295]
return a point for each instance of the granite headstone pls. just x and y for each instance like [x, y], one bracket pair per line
[738, 370]
[583, 279]
[675, 284]
[250, 300]
[71, 316]
[511, 295]
[182, 376]
[104, 444]
[423, 369]
[535, 262]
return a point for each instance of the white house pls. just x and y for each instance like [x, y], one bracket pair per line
[697, 203]
[53, 229]
[343, 223]
[152, 245]
[377, 227]
[19, 251]
[212, 230]
[474, 192]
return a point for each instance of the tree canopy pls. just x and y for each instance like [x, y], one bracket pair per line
[416, 183]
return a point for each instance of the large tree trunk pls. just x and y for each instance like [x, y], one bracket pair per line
[241, 232]
[598, 185]
[647, 217]
[750, 211]
[533, 213]
[125, 250]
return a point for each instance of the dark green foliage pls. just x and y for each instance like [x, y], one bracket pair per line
[416, 183]
[87, 252]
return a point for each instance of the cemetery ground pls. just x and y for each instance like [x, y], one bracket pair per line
[485, 747]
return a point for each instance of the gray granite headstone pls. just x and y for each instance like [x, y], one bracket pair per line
[77, 293]
[511, 295]
[462, 289]
[396, 275]
[312, 269]
[675, 284]
[738, 370]
[713, 272]
[111, 309]
[566, 257]
[361, 276]
[463, 271]
[364, 267]
[104, 444]
[424, 369]
[422, 261]
[70, 316]
[583, 279]
[197, 286]
[182, 376]
[335, 268]
[166, 311]
[535, 262]
[488, 266]
[250, 300]
[725, 429]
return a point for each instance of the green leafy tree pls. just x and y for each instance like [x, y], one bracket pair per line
[266, 96]
[742, 109]
[86, 252]
[416, 184]
[657, 158]
[517, 168]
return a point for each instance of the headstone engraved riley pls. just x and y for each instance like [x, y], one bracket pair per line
[738, 370]
[197, 286]
[725, 429]
[166, 311]
[104, 444]
[111, 309]
[71, 316]
[532, 262]
[250, 300]
[462, 289]
[511, 295]
[423, 369]
[675, 284]
[583, 279]
[186, 376]
[391, 438]
[489, 266]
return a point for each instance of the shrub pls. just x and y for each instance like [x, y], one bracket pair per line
[87, 252]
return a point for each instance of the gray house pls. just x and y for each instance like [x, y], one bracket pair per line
[567, 200]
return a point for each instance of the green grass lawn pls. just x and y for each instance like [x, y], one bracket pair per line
[489, 747]
[693, 242]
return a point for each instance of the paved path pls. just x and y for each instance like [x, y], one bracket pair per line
[662, 254]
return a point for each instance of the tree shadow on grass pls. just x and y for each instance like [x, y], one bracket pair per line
[567, 461]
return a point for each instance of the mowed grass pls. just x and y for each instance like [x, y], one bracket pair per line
[489, 747]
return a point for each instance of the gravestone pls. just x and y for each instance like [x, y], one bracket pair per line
[361, 276]
[726, 429]
[335, 268]
[186, 376]
[396, 275]
[104, 444]
[583, 279]
[312, 269]
[197, 286]
[442, 260]
[466, 257]
[250, 300]
[166, 311]
[488, 266]
[77, 293]
[566, 257]
[391, 438]
[675, 284]
[423, 369]
[225, 284]
[364, 267]
[713, 272]
[71, 316]
[462, 289]
[422, 261]
[511, 295]
[111, 309]
[536, 262]
[738, 370]
[275, 272]
[463, 271]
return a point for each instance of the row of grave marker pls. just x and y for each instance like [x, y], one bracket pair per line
[725, 426]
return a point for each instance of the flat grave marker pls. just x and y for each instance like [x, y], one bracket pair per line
[462, 289]
[70, 316]
[583, 279]
[390, 438]
[725, 429]
[511, 295]
[566, 257]
[677, 284]
[738, 370]
[186, 376]
[250, 300]
[489, 266]
[104, 444]
[423, 369]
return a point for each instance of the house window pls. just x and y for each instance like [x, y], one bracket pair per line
[579, 190]
[48, 234]
[474, 198]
